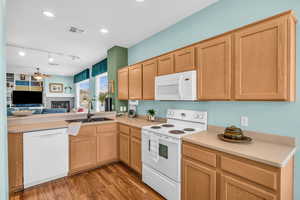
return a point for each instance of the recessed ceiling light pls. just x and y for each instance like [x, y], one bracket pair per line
[139, 1]
[104, 31]
[22, 53]
[48, 14]
[50, 59]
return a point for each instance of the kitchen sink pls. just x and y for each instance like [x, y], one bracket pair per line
[85, 120]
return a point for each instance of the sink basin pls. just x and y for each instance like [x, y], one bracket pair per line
[100, 119]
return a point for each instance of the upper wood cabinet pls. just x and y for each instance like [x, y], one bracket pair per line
[213, 60]
[185, 59]
[123, 83]
[135, 82]
[149, 73]
[198, 181]
[265, 60]
[165, 64]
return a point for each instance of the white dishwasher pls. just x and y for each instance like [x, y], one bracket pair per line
[46, 156]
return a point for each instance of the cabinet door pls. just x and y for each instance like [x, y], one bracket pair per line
[15, 161]
[233, 189]
[107, 149]
[82, 154]
[214, 69]
[124, 148]
[149, 73]
[135, 82]
[123, 83]
[165, 64]
[198, 181]
[261, 61]
[136, 155]
[185, 59]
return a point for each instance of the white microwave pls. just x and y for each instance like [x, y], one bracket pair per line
[179, 86]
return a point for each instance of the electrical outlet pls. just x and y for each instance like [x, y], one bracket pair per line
[244, 121]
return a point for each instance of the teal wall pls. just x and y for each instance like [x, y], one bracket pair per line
[3, 132]
[66, 80]
[272, 117]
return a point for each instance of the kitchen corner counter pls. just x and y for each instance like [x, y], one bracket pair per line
[269, 149]
[137, 122]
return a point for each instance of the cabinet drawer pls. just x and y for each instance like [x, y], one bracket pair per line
[124, 129]
[136, 132]
[251, 172]
[200, 154]
[107, 128]
[85, 131]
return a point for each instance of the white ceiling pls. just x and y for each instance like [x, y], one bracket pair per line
[128, 22]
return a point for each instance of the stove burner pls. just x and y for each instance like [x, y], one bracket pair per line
[167, 125]
[155, 127]
[176, 132]
[189, 129]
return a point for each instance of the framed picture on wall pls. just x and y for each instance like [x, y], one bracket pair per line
[56, 87]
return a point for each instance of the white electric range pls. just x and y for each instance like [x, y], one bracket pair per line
[161, 150]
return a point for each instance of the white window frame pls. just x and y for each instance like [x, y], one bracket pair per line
[97, 88]
[77, 93]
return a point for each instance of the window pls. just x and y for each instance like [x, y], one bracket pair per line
[101, 90]
[82, 94]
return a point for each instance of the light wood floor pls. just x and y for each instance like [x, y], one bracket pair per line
[112, 182]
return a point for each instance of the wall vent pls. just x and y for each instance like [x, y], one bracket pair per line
[73, 29]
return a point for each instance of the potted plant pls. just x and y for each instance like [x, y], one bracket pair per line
[151, 114]
[101, 99]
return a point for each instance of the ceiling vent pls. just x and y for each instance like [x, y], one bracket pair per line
[73, 29]
[53, 64]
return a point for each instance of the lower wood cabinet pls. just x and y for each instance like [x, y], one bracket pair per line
[234, 189]
[93, 146]
[136, 155]
[107, 149]
[233, 177]
[198, 181]
[124, 141]
[130, 148]
[83, 154]
[15, 161]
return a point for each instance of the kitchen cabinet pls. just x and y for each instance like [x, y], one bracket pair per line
[82, 154]
[107, 143]
[130, 147]
[233, 178]
[136, 150]
[165, 64]
[123, 84]
[185, 59]
[124, 148]
[214, 68]
[149, 73]
[198, 181]
[15, 161]
[265, 60]
[135, 82]
[234, 189]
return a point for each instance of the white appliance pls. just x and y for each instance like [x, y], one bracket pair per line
[46, 156]
[161, 150]
[179, 86]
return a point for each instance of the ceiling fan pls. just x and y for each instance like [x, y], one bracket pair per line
[39, 76]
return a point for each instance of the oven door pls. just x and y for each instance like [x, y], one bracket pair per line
[169, 151]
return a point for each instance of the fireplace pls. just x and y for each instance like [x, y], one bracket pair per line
[61, 104]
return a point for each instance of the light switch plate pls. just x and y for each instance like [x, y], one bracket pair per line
[244, 121]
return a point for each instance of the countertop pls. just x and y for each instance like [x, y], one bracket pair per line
[28, 127]
[270, 149]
